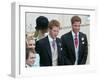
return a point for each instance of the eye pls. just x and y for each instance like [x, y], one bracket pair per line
[30, 44]
[33, 57]
[76, 25]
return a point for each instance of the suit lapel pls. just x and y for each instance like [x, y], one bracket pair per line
[71, 42]
[48, 47]
[58, 45]
[80, 46]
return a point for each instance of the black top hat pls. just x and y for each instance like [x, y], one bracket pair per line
[41, 23]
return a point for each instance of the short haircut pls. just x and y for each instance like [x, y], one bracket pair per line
[28, 50]
[75, 19]
[53, 23]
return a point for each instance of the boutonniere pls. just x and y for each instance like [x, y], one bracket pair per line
[82, 38]
[83, 42]
[61, 49]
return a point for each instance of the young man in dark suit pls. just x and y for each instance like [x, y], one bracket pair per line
[75, 43]
[50, 47]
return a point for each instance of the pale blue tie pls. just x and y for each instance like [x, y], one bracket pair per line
[53, 44]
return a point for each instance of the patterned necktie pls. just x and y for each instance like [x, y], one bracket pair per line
[76, 40]
[53, 44]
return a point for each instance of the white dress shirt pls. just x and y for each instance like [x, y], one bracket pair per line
[76, 49]
[54, 51]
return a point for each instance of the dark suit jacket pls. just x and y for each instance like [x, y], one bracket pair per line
[68, 45]
[44, 50]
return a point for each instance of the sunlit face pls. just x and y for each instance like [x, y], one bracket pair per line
[31, 59]
[31, 44]
[54, 32]
[76, 27]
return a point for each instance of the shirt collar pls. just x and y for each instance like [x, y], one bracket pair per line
[73, 34]
[50, 38]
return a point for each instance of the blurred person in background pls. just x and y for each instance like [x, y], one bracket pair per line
[41, 27]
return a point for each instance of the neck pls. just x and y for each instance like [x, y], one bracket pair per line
[75, 32]
[52, 36]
